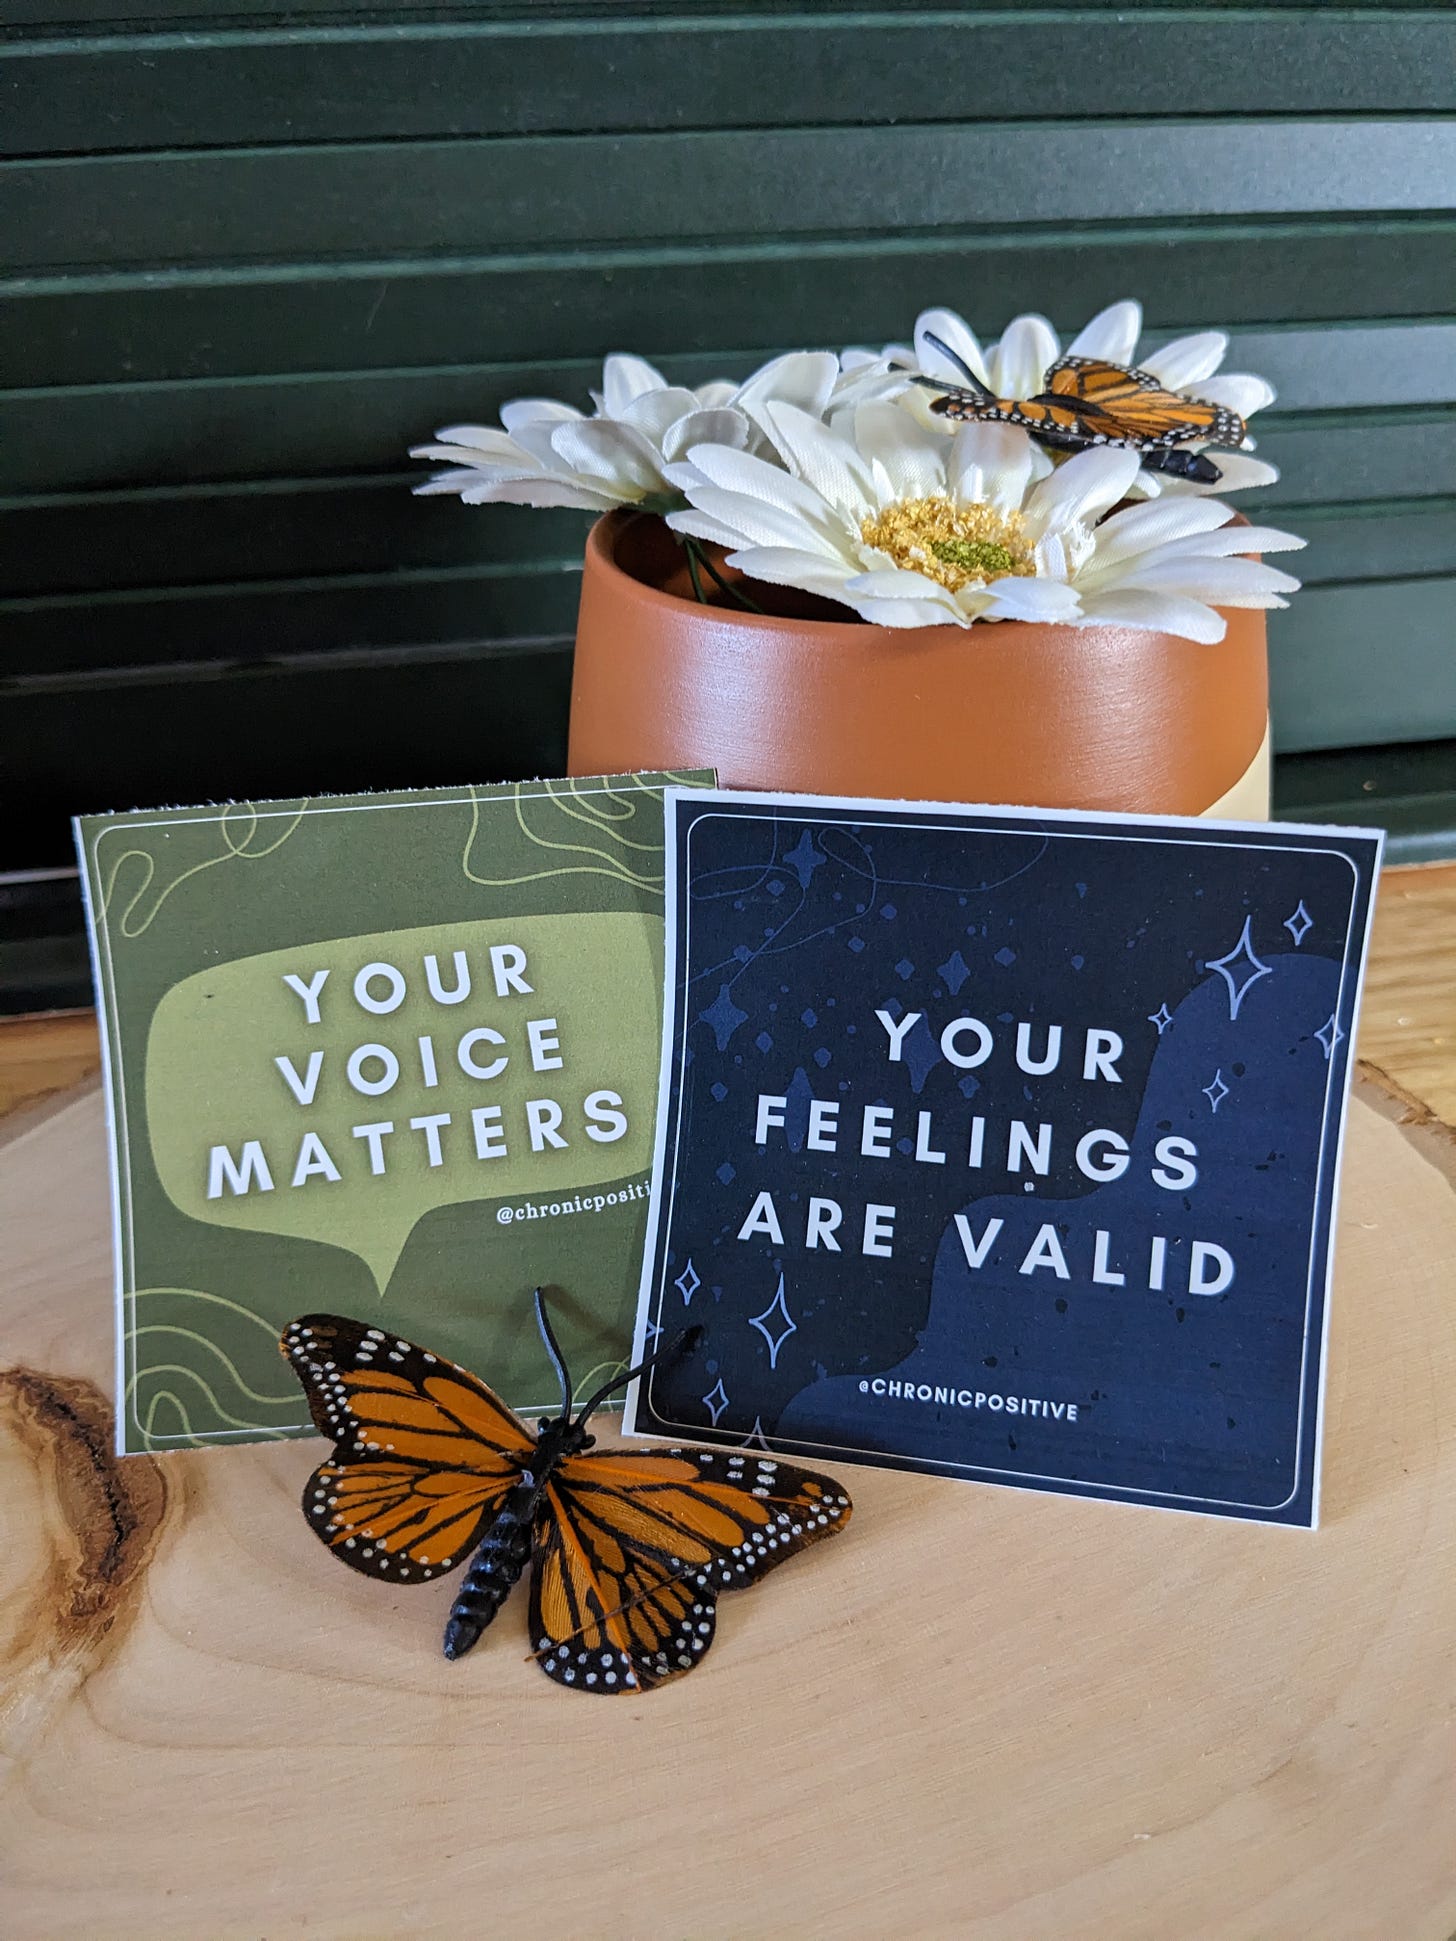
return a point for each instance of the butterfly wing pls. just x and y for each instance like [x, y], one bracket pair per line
[1142, 410]
[1059, 422]
[633, 1549]
[424, 1453]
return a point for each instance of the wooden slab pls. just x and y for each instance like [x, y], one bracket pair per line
[981, 1712]
[1408, 1013]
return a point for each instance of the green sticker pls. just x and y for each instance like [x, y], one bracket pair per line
[359, 1083]
[333, 1029]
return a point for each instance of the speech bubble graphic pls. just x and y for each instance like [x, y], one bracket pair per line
[340, 1091]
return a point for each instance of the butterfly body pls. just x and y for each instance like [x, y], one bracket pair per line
[505, 1549]
[629, 1549]
[1089, 402]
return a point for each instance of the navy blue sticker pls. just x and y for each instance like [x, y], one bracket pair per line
[1005, 1144]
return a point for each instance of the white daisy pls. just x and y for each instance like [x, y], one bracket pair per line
[912, 528]
[551, 454]
[1016, 367]
[867, 376]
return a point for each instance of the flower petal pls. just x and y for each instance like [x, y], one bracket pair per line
[957, 336]
[801, 377]
[784, 566]
[1236, 390]
[990, 464]
[625, 378]
[602, 449]
[701, 526]
[535, 435]
[717, 392]
[1019, 363]
[1156, 522]
[1047, 601]
[442, 482]
[891, 597]
[509, 458]
[529, 411]
[1157, 612]
[1231, 539]
[1220, 582]
[823, 460]
[720, 425]
[1187, 360]
[545, 492]
[754, 521]
[486, 439]
[1051, 558]
[913, 458]
[1237, 473]
[1112, 333]
[857, 358]
[757, 480]
[913, 399]
[654, 413]
[867, 383]
[1086, 486]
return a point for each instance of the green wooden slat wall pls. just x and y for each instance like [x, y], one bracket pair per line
[249, 256]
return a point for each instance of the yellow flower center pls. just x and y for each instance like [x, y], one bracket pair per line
[955, 545]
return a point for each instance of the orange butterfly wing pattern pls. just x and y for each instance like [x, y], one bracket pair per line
[1092, 402]
[630, 1549]
[424, 1456]
[1061, 423]
[1143, 410]
[635, 1548]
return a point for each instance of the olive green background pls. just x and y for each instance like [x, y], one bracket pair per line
[199, 911]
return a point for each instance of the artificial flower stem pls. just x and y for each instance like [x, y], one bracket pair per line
[699, 563]
[690, 547]
[727, 586]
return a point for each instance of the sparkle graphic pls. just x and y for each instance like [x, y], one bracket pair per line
[1240, 969]
[716, 1400]
[1300, 924]
[1218, 1091]
[803, 859]
[954, 972]
[1162, 1018]
[724, 1017]
[756, 1439]
[1330, 1035]
[652, 1332]
[688, 1283]
[774, 1335]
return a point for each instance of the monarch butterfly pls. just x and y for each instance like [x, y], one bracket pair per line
[1091, 402]
[630, 1548]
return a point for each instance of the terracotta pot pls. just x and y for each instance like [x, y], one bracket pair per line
[1055, 717]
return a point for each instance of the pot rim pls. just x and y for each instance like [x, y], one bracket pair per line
[601, 545]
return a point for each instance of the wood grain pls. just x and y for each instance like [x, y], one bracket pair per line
[1408, 1018]
[982, 1712]
[39, 1056]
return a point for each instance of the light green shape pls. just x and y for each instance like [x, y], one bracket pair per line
[212, 1081]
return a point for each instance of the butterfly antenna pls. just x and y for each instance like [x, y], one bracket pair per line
[682, 1344]
[977, 384]
[553, 1349]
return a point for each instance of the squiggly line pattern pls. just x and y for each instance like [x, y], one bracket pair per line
[615, 867]
[202, 1417]
[129, 926]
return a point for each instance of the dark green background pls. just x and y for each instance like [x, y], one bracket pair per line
[252, 254]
